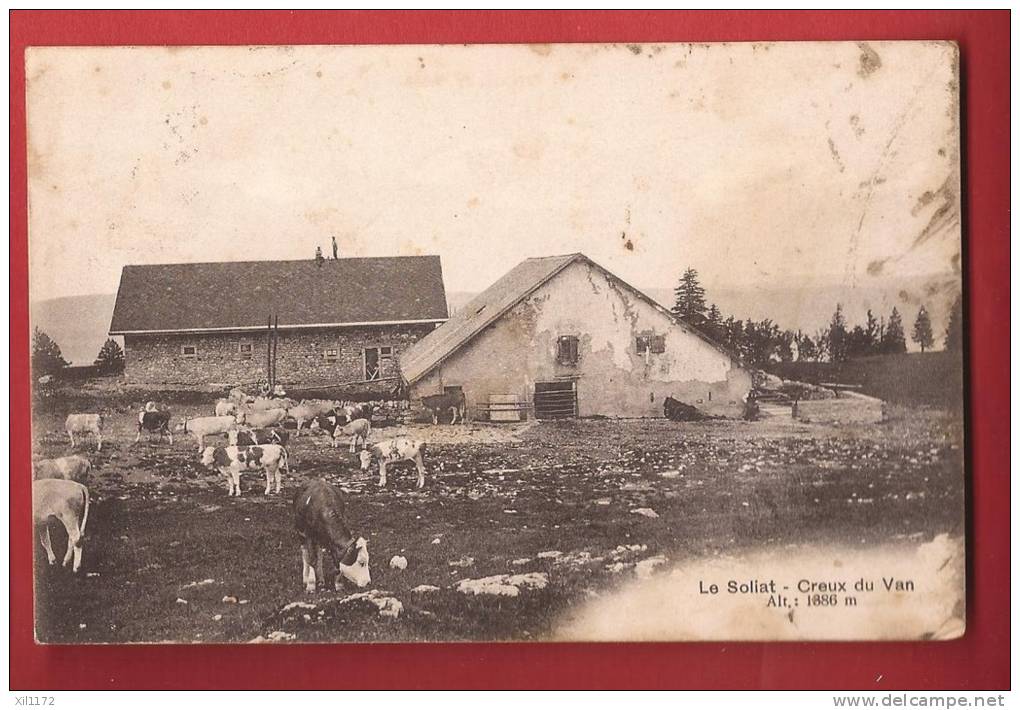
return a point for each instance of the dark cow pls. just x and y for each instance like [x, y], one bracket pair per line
[453, 401]
[254, 437]
[231, 460]
[154, 421]
[318, 517]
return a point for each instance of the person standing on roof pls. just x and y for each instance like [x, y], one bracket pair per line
[335, 250]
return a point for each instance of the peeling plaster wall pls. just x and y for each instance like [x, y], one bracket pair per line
[519, 349]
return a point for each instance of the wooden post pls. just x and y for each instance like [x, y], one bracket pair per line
[276, 342]
[269, 349]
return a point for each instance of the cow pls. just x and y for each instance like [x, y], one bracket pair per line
[307, 411]
[357, 429]
[356, 411]
[156, 421]
[85, 424]
[452, 401]
[231, 460]
[201, 427]
[393, 451]
[68, 468]
[261, 419]
[254, 437]
[225, 407]
[260, 404]
[318, 517]
[237, 396]
[68, 502]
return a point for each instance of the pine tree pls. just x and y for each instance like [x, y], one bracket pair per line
[714, 323]
[46, 356]
[873, 334]
[922, 334]
[837, 336]
[111, 358]
[894, 340]
[690, 299]
[954, 329]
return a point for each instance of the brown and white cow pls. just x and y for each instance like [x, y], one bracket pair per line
[262, 418]
[68, 468]
[68, 502]
[393, 451]
[318, 517]
[201, 427]
[231, 460]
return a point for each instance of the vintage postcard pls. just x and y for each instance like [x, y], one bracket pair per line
[496, 343]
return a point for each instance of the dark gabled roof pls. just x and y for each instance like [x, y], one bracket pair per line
[242, 295]
[522, 280]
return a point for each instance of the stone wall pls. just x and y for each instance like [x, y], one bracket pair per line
[301, 358]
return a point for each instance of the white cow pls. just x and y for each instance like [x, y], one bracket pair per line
[393, 451]
[201, 427]
[85, 424]
[68, 502]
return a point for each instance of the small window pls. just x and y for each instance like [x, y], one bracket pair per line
[331, 354]
[386, 352]
[645, 344]
[189, 351]
[566, 350]
[244, 350]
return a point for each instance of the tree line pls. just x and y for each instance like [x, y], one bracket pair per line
[48, 360]
[757, 343]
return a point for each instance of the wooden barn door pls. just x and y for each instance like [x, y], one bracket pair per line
[556, 400]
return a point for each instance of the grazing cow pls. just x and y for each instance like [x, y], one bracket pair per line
[393, 451]
[453, 401]
[154, 422]
[201, 427]
[261, 419]
[68, 502]
[68, 468]
[231, 460]
[318, 517]
[224, 407]
[85, 424]
[254, 437]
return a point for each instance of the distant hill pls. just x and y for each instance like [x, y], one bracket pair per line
[78, 324]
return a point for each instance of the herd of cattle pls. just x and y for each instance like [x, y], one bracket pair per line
[256, 441]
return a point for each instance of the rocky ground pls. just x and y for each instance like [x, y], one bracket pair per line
[516, 526]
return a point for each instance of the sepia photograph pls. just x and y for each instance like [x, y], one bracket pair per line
[496, 343]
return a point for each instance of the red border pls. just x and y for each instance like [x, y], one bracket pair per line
[979, 660]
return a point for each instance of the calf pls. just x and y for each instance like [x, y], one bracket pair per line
[261, 419]
[68, 502]
[85, 424]
[357, 429]
[254, 437]
[318, 517]
[154, 422]
[393, 451]
[453, 401]
[231, 460]
[68, 468]
[201, 427]
[225, 407]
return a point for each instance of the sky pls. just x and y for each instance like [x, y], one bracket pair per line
[761, 165]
